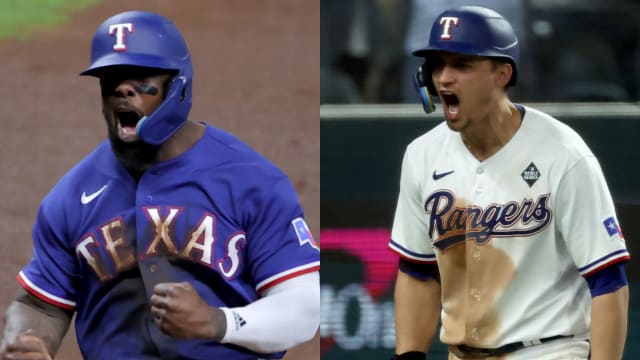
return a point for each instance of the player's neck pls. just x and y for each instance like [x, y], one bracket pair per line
[493, 131]
[181, 141]
[138, 163]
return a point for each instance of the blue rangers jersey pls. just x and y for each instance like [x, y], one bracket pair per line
[219, 216]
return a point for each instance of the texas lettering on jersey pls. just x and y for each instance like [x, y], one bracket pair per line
[109, 241]
[455, 224]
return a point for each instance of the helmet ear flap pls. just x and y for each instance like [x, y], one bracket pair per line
[170, 116]
[422, 88]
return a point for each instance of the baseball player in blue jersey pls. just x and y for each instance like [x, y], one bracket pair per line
[505, 227]
[172, 239]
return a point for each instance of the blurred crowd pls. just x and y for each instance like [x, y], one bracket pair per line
[571, 50]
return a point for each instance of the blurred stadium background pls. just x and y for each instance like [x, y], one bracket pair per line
[580, 62]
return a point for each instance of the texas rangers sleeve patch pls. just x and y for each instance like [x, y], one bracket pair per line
[303, 232]
[612, 227]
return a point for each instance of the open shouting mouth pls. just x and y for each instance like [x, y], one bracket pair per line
[450, 104]
[126, 121]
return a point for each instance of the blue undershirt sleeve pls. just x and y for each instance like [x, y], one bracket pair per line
[607, 280]
[419, 271]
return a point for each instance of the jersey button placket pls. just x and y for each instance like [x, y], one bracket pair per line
[479, 188]
[473, 256]
[475, 294]
[475, 334]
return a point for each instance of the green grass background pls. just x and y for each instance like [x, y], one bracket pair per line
[19, 19]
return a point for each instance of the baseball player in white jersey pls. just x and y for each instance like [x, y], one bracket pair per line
[505, 227]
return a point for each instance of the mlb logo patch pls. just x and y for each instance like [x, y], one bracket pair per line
[303, 233]
[612, 227]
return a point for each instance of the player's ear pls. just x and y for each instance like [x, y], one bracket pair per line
[504, 72]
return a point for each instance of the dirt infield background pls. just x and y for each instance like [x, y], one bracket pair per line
[256, 75]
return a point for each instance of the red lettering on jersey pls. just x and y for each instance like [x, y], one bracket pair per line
[446, 29]
[121, 37]
[162, 229]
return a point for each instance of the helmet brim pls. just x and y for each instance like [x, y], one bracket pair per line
[128, 59]
[428, 52]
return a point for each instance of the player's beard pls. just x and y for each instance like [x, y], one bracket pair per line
[136, 156]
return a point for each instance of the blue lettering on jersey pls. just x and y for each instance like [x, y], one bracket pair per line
[457, 224]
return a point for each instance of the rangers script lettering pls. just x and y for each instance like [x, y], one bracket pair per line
[480, 224]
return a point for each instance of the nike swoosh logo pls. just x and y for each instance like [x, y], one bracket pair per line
[85, 199]
[441, 175]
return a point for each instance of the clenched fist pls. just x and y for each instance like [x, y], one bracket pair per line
[180, 312]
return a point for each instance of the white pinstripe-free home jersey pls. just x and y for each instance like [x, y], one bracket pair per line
[513, 235]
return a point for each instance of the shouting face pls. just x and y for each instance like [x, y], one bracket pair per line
[128, 94]
[469, 87]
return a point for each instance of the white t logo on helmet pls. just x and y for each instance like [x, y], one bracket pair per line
[447, 21]
[118, 30]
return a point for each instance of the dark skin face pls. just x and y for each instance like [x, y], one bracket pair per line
[128, 94]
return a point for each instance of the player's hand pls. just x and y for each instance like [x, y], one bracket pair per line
[26, 346]
[180, 312]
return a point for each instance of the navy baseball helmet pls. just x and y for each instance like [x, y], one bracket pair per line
[149, 40]
[469, 30]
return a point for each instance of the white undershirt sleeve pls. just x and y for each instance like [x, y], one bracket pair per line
[287, 315]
